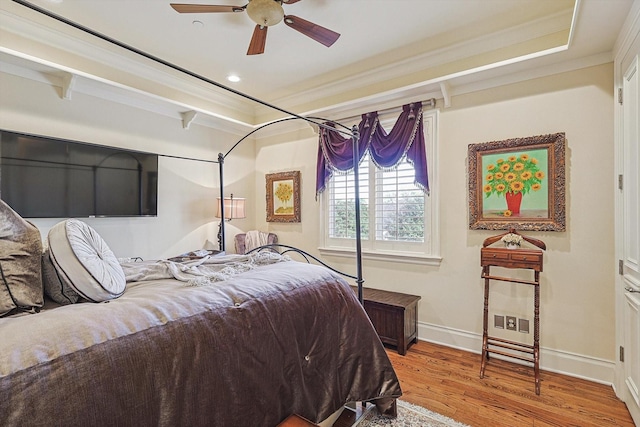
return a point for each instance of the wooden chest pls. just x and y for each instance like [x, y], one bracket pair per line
[394, 315]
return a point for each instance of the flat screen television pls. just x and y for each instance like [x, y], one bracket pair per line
[43, 177]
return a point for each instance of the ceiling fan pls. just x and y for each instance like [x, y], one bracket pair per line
[265, 13]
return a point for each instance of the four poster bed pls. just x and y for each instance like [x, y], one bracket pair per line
[237, 340]
[226, 340]
[230, 340]
[215, 340]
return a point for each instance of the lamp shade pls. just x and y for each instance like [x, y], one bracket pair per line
[233, 208]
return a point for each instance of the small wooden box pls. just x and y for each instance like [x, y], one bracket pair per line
[394, 315]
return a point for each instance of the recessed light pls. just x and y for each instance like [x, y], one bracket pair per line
[197, 23]
[233, 78]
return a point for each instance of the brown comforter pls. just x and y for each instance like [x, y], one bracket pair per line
[280, 339]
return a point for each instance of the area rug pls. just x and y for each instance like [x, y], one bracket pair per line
[408, 416]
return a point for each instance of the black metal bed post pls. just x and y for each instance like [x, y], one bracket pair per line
[221, 242]
[356, 159]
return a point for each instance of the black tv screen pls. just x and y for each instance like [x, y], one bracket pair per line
[42, 177]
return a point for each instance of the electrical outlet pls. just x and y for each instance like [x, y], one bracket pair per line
[498, 321]
[523, 326]
[511, 323]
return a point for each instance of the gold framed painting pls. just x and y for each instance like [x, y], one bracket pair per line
[518, 183]
[283, 196]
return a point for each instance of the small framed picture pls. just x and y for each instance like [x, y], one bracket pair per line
[283, 197]
[518, 183]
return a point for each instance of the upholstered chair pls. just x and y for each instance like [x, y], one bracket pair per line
[244, 244]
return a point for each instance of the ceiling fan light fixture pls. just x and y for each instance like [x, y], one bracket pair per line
[265, 12]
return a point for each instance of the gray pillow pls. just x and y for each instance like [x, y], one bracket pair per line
[20, 265]
[55, 287]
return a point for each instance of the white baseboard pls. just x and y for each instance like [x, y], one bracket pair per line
[563, 362]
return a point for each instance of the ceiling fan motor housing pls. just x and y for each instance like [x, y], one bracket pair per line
[265, 12]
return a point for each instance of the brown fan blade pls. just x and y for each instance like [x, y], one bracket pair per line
[316, 32]
[258, 40]
[205, 8]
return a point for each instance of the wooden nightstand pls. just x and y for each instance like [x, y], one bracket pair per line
[394, 315]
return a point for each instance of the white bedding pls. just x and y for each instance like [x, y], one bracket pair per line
[200, 272]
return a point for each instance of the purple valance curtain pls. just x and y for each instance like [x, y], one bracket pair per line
[335, 152]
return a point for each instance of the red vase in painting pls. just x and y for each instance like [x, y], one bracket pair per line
[513, 201]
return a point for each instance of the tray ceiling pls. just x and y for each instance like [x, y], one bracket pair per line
[388, 51]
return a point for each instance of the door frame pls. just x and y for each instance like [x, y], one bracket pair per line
[627, 50]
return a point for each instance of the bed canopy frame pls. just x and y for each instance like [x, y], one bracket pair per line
[352, 132]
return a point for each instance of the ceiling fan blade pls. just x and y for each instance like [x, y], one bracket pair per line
[205, 8]
[258, 40]
[316, 32]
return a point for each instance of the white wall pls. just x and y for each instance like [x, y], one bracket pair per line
[577, 297]
[297, 153]
[577, 309]
[187, 189]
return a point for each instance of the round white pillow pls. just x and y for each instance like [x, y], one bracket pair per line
[85, 262]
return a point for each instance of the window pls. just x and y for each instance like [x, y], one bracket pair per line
[398, 220]
[342, 206]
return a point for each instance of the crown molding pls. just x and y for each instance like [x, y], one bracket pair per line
[96, 59]
[455, 86]
[630, 29]
[52, 55]
[54, 77]
[428, 62]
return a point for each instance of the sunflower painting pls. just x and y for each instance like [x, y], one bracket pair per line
[283, 191]
[283, 197]
[517, 182]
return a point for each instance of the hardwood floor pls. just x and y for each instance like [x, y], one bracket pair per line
[447, 381]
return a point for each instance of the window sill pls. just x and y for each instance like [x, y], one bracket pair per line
[401, 257]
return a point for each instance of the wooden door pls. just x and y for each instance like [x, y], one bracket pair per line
[629, 286]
